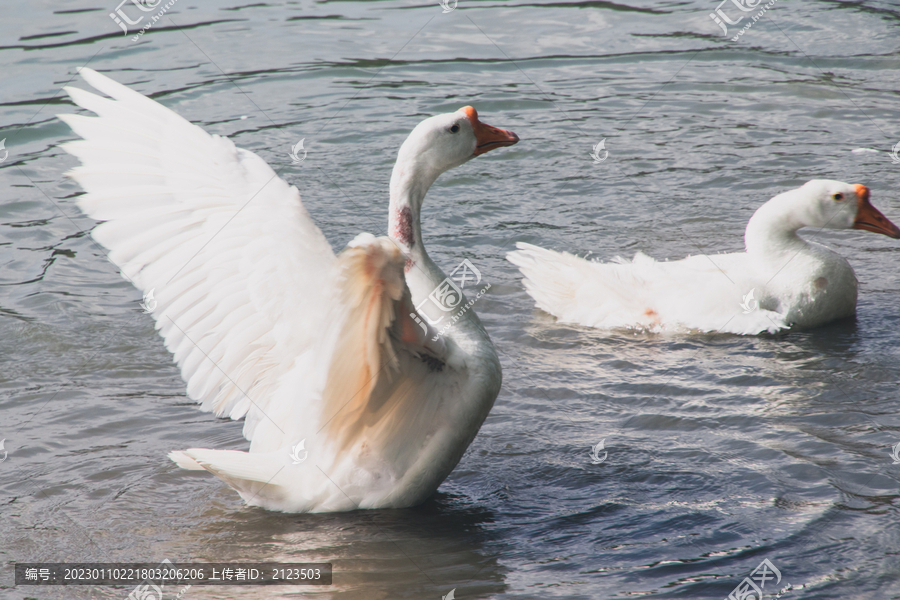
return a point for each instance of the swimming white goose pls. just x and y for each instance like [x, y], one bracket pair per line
[781, 280]
[351, 400]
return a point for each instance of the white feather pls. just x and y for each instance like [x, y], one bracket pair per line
[790, 281]
[207, 225]
[267, 324]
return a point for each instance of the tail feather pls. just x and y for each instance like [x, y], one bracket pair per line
[576, 290]
[184, 461]
[693, 293]
[271, 480]
[255, 476]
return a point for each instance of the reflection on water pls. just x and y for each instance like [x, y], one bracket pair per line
[432, 547]
[721, 450]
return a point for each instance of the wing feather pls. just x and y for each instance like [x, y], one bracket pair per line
[384, 387]
[240, 272]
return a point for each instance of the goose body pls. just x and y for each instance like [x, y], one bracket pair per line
[780, 281]
[350, 398]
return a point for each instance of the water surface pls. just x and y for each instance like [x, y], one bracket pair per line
[722, 450]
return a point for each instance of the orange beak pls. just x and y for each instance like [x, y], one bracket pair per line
[870, 218]
[487, 137]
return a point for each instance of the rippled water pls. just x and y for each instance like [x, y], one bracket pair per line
[722, 450]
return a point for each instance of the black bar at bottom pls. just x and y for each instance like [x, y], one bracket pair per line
[156, 574]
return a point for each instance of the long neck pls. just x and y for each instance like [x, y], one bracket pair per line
[772, 230]
[409, 184]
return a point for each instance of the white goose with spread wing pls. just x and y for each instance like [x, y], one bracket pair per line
[780, 281]
[350, 399]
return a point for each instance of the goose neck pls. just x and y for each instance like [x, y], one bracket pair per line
[409, 184]
[772, 230]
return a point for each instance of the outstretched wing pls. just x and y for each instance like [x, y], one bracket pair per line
[241, 274]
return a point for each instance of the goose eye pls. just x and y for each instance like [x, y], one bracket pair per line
[454, 129]
[837, 197]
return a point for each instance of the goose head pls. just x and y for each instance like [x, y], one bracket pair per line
[837, 205]
[443, 142]
[436, 145]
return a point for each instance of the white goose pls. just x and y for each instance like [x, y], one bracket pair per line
[350, 399]
[781, 280]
